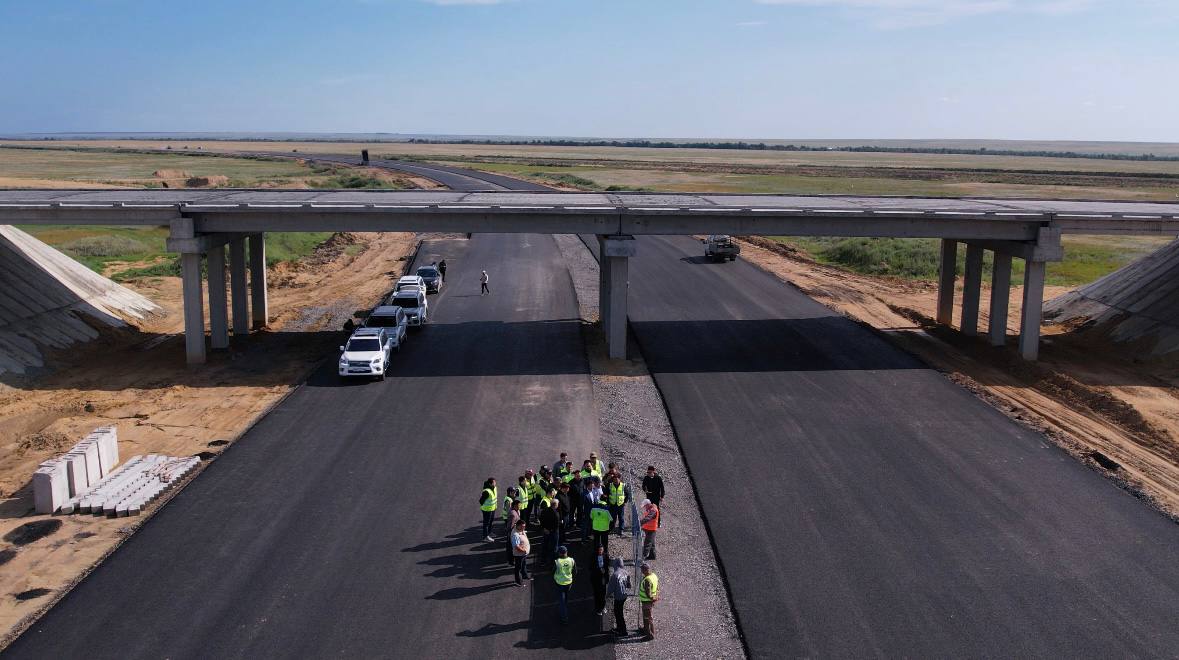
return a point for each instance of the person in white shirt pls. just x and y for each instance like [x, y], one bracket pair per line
[483, 290]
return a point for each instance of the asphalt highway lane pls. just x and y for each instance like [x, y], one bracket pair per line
[346, 523]
[864, 505]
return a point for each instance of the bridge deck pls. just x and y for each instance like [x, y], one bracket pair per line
[236, 210]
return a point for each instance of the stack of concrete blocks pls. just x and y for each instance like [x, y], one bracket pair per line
[70, 476]
[126, 491]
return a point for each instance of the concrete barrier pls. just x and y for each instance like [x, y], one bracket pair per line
[51, 486]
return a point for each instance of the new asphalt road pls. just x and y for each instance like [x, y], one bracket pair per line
[346, 523]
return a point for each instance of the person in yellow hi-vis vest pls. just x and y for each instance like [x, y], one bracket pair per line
[563, 576]
[488, 503]
[648, 596]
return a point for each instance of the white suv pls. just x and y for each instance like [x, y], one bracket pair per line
[410, 282]
[366, 353]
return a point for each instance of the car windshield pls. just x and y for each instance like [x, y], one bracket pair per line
[382, 321]
[362, 345]
[410, 303]
[428, 271]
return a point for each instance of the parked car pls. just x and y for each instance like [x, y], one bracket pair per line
[413, 302]
[432, 277]
[410, 282]
[366, 353]
[720, 247]
[393, 319]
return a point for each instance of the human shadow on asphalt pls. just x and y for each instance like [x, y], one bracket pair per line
[826, 343]
[584, 630]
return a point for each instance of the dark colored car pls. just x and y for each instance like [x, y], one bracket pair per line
[432, 277]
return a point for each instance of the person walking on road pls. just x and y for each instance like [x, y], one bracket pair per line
[442, 269]
[488, 503]
[563, 576]
[520, 549]
[599, 573]
[653, 487]
[513, 519]
[483, 290]
[650, 525]
[618, 590]
[600, 520]
[648, 596]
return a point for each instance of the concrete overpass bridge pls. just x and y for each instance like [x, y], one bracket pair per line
[204, 223]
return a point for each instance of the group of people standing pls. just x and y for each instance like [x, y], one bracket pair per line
[566, 505]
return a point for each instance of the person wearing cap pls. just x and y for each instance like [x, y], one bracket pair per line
[600, 520]
[520, 549]
[599, 574]
[618, 590]
[648, 596]
[488, 503]
[563, 575]
[650, 525]
[595, 465]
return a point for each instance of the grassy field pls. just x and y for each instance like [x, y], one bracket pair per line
[135, 169]
[606, 178]
[839, 159]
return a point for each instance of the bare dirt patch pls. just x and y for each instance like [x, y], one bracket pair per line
[136, 380]
[1103, 404]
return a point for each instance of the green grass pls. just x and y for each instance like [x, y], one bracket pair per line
[122, 168]
[1086, 258]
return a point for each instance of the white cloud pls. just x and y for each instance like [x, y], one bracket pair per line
[895, 14]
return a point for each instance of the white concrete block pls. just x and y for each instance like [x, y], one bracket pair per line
[76, 472]
[51, 486]
[108, 447]
[93, 465]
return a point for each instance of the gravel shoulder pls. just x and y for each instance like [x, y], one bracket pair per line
[694, 619]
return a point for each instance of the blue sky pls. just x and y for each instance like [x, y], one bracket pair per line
[1018, 69]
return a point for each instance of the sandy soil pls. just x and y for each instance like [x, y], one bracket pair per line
[1087, 400]
[136, 380]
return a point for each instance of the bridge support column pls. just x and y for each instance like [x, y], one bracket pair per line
[972, 289]
[194, 308]
[1033, 308]
[258, 279]
[614, 282]
[1000, 298]
[947, 275]
[237, 285]
[218, 307]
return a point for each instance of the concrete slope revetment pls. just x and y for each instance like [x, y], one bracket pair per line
[1135, 303]
[49, 301]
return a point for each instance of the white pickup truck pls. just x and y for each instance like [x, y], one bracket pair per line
[720, 247]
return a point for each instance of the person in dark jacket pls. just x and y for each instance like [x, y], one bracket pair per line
[618, 590]
[550, 526]
[565, 511]
[599, 573]
[653, 487]
[442, 269]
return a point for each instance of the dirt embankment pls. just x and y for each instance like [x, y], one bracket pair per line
[1103, 404]
[136, 380]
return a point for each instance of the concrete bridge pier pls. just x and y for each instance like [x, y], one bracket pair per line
[194, 308]
[237, 286]
[218, 304]
[258, 280]
[613, 285]
[1036, 254]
